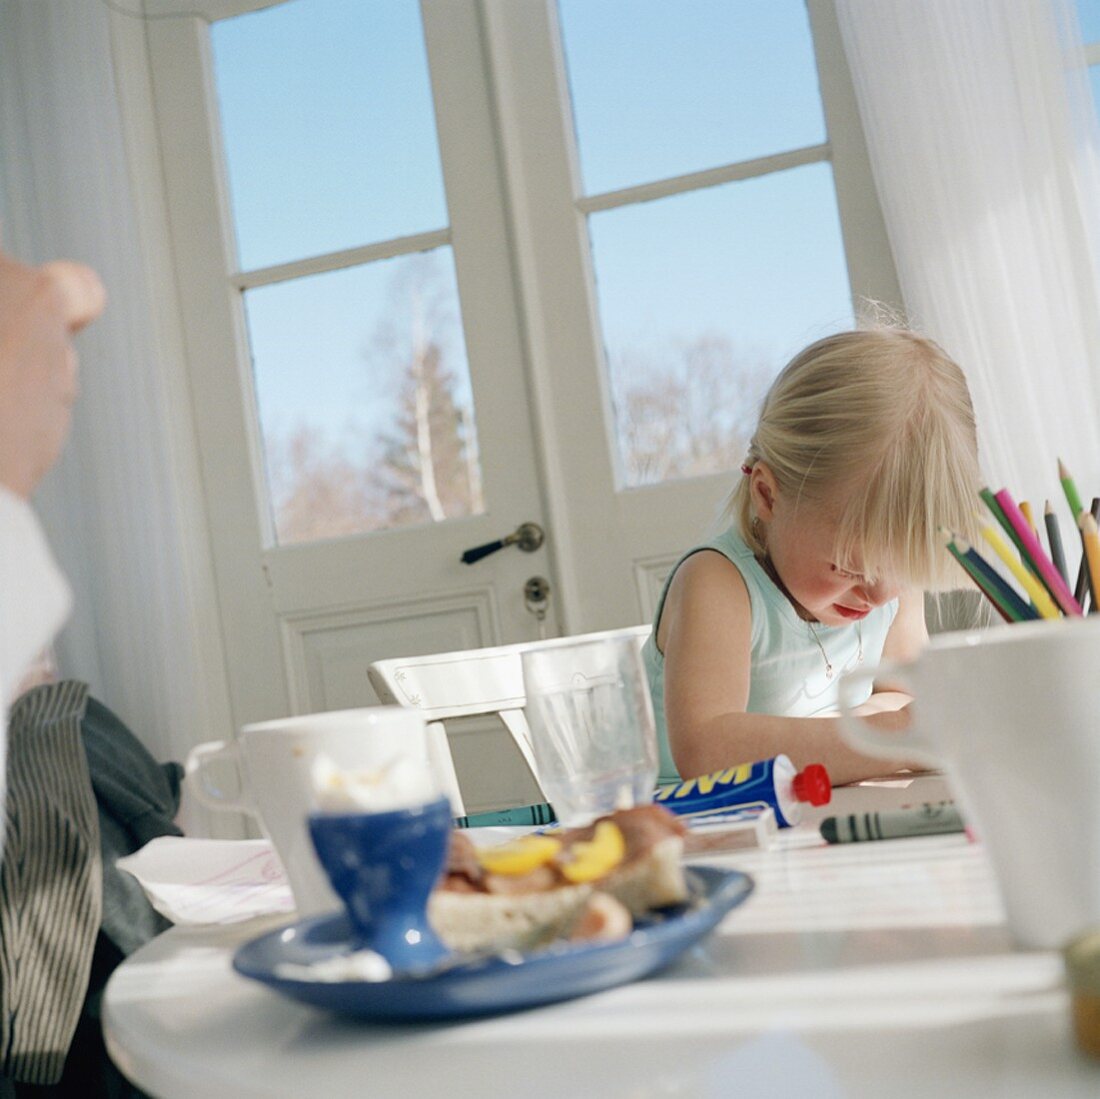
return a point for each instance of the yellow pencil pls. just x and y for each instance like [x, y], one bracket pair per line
[1025, 509]
[1090, 535]
[1036, 592]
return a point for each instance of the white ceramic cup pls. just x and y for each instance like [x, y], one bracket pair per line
[1013, 715]
[275, 760]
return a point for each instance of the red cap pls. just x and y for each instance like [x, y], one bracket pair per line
[812, 784]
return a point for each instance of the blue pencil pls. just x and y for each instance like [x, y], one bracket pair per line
[999, 591]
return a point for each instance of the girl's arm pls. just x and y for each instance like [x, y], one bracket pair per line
[905, 639]
[704, 633]
[908, 634]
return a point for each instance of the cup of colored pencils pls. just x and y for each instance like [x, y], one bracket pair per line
[1042, 587]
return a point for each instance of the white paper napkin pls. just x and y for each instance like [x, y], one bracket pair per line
[203, 881]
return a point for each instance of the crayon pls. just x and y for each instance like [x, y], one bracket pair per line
[930, 819]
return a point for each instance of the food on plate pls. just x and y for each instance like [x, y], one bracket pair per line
[580, 883]
[400, 783]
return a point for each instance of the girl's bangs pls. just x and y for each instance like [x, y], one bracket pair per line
[892, 526]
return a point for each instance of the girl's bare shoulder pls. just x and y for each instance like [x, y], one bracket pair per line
[708, 573]
[708, 589]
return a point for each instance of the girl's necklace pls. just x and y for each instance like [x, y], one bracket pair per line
[769, 568]
[825, 656]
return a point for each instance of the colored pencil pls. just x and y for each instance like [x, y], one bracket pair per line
[996, 582]
[1036, 592]
[995, 588]
[1090, 535]
[1069, 487]
[1025, 510]
[995, 510]
[1083, 572]
[1041, 564]
[951, 541]
[1057, 550]
[1000, 607]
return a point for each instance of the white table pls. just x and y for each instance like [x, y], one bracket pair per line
[877, 969]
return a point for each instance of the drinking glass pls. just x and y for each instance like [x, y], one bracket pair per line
[591, 722]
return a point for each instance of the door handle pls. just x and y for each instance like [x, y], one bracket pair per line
[527, 537]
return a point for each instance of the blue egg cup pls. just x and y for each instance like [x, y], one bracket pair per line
[383, 867]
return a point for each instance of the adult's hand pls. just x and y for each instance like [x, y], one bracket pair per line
[40, 309]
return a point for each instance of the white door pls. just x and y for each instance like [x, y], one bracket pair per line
[449, 268]
[690, 188]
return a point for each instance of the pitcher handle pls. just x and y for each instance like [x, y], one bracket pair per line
[204, 790]
[861, 735]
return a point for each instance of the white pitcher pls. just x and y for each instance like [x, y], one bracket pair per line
[1013, 715]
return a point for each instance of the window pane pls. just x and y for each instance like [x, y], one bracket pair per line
[328, 125]
[363, 392]
[702, 298]
[660, 89]
[1089, 13]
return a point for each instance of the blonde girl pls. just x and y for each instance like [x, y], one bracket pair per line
[865, 447]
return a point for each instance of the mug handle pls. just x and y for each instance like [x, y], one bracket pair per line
[213, 797]
[861, 735]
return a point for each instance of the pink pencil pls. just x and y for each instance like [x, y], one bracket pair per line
[1043, 564]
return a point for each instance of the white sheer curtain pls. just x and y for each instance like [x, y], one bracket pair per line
[983, 143]
[112, 507]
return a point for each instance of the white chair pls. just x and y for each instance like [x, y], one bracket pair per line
[473, 683]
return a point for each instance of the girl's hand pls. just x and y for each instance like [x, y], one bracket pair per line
[882, 702]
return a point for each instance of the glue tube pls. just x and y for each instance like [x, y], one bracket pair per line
[771, 782]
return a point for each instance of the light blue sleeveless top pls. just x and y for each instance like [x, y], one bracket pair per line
[788, 675]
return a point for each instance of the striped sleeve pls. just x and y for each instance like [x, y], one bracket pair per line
[50, 883]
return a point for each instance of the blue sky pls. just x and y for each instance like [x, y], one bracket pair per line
[330, 143]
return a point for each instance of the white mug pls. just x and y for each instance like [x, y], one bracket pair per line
[275, 760]
[1013, 715]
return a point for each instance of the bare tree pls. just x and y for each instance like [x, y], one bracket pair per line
[682, 412]
[690, 411]
[423, 467]
[317, 491]
[428, 470]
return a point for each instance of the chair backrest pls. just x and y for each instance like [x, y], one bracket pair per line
[471, 683]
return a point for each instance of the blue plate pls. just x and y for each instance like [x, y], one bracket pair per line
[483, 986]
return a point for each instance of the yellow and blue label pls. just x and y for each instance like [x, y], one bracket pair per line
[724, 791]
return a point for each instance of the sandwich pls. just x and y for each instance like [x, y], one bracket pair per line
[580, 884]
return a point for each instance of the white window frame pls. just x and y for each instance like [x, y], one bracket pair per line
[556, 347]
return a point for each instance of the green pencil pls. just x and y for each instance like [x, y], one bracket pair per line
[1073, 498]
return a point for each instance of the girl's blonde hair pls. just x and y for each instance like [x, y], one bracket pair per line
[878, 423]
